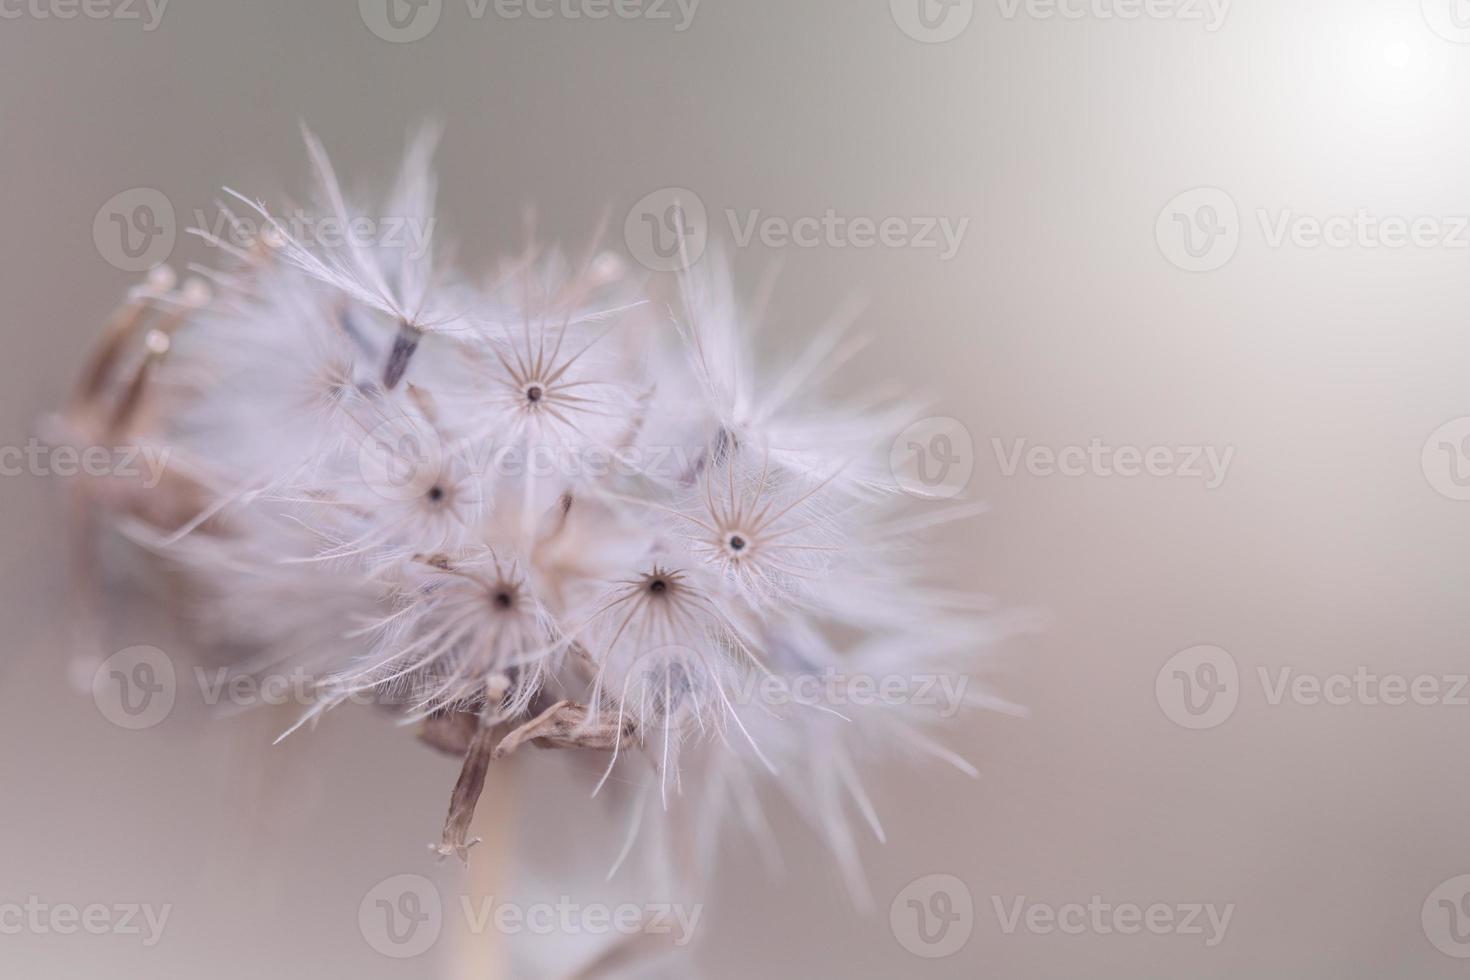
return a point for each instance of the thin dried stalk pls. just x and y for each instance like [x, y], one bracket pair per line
[483, 955]
[467, 791]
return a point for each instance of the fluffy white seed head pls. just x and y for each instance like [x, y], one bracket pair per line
[545, 490]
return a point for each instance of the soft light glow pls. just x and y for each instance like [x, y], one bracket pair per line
[1391, 70]
[1399, 55]
[1397, 66]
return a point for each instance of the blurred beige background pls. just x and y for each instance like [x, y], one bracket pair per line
[1333, 544]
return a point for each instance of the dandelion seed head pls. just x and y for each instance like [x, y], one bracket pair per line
[536, 500]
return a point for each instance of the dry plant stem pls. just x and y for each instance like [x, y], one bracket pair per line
[482, 739]
[104, 356]
[566, 725]
[467, 792]
[102, 411]
[483, 955]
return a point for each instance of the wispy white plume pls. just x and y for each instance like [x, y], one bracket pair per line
[544, 508]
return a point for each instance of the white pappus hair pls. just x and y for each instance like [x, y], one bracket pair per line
[538, 506]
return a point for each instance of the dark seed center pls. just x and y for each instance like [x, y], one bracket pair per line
[502, 600]
[534, 393]
[737, 543]
[436, 493]
[657, 585]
